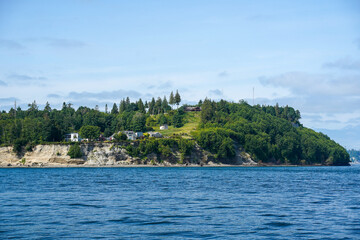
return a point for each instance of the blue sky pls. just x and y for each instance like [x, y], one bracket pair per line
[302, 53]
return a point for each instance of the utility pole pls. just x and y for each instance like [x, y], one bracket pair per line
[15, 110]
[253, 96]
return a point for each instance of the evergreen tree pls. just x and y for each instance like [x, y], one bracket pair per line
[47, 107]
[152, 106]
[114, 109]
[138, 122]
[165, 104]
[177, 98]
[177, 120]
[127, 104]
[158, 104]
[207, 111]
[140, 106]
[171, 99]
[122, 106]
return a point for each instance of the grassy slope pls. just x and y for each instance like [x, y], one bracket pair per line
[192, 119]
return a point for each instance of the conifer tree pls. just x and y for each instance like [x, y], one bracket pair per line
[47, 107]
[122, 106]
[140, 106]
[165, 104]
[158, 104]
[177, 98]
[171, 99]
[114, 109]
[127, 104]
[152, 106]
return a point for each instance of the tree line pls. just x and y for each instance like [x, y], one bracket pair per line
[35, 126]
[270, 134]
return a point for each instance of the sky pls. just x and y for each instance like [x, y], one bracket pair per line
[305, 54]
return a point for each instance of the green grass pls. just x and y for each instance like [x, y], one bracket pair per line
[192, 120]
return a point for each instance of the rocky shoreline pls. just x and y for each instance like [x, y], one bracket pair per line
[108, 155]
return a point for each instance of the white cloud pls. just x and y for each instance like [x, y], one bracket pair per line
[104, 95]
[216, 92]
[2, 83]
[11, 44]
[301, 83]
[223, 74]
[344, 64]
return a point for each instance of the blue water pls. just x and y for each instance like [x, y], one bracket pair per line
[181, 203]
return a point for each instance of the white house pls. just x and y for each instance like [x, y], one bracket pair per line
[164, 127]
[72, 137]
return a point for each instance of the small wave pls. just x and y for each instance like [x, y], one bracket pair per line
[156, 223]
[118, 220]
[175, 216]
[84, 205]
[279, 224]
[176, 233]
[272, 215]
[89, 222]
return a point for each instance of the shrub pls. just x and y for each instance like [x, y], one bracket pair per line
[120, 136]
[18, 145]
[75, 151]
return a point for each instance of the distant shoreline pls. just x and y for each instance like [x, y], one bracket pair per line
[158, 166]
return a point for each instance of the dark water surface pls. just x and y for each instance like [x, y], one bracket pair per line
[181, 203]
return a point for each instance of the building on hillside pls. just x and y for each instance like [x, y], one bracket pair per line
[155, 134]
[139, 135]
[164, 127]
[192, 109]
[130, 135]
[72, 137]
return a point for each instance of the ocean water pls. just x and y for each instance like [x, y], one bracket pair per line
[180, 203]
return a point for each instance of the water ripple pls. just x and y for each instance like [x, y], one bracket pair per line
[180, 203]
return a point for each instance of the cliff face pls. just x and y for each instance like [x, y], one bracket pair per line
[101, 154]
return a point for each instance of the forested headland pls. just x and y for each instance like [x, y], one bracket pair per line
[270, 134]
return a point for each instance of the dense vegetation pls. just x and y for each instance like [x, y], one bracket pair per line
[50, 125]
[271, 134]
[164, 147]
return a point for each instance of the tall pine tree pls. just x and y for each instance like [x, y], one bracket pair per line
[114, 109]
[177, 98]
[171, 99]
[140, 106]
[165, 105]
[122, 106]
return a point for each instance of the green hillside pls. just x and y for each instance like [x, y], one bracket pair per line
[270, 134]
